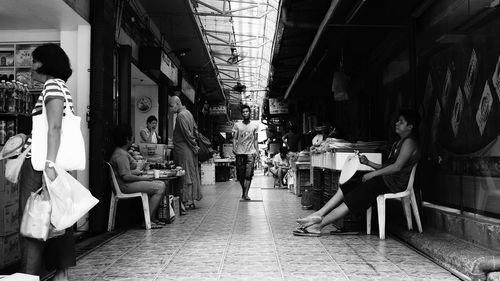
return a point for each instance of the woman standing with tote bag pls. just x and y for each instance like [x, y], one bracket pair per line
[50, 66]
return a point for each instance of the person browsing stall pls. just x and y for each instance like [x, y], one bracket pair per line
[186, 151]
[392, 177]
[292, 139]
[149, 134]
[129, 178]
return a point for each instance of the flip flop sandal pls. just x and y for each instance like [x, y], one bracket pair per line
[311, 221]
[304, 232]
[156, 226]
[159, 223]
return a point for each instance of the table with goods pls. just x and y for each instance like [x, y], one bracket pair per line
[155, 166]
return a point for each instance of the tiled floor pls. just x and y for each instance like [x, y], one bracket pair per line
[225, 239]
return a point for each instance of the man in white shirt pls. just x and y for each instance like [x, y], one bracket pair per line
[246, 149]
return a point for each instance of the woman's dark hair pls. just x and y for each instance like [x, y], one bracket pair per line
[151, 119]
[283, 150]
[54, 61]
[121, 134]
[243, 106]
[412, 118]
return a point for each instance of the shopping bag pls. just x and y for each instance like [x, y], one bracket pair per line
[36, 216]
[71, 153]
[13, 166]
[205, 145]
[70, 200]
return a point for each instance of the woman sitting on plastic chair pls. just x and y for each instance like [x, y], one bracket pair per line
[356, 197]
[281, 164]
[130, 179]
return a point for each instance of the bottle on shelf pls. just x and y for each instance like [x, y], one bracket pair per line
[10, 104]
[3, 92]
[16, 95]
[27, 105]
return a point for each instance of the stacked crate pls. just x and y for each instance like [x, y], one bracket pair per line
[303, 180]
[317, 189]
[208, 173]
[9, 221]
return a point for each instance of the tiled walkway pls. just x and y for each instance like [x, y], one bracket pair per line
[225, 239]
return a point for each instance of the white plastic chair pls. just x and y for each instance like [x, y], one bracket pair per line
[409, 201]
[116, 195]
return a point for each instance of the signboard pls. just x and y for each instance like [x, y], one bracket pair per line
[188, 90]
[217, 110]
[277, 106]
[168, 68]
[227, 150]
[225, 128]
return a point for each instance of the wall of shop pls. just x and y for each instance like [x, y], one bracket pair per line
[458, 98]
[138, 117]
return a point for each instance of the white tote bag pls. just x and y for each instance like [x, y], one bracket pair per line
[69, 199]
[71, 154]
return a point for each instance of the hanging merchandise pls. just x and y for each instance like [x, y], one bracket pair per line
[340, 80]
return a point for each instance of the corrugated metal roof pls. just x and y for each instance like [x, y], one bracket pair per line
[240, 36]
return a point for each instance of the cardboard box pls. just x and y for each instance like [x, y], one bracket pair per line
[9, 193]
[153, 152]
[10, 250]
[9, 219]
[2, 174]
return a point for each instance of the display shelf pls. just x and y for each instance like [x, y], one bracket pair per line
[6, 114]
[18, 62]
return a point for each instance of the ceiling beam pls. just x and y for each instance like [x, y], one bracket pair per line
[318, 35]
[240, 46]
[202, 14]
[237, 34]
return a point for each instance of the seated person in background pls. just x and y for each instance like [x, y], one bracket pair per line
[129, 177]
[357, 197]
[149, 134]
[281, 164]
[292, 139]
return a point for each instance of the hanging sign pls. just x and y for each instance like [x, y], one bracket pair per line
[168, 68]
[217, 110]
[225, 128]
[277, 106]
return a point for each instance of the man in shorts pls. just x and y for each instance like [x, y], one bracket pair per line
[246, 149]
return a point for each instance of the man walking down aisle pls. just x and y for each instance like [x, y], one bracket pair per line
[186, 151]
[246, 149]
